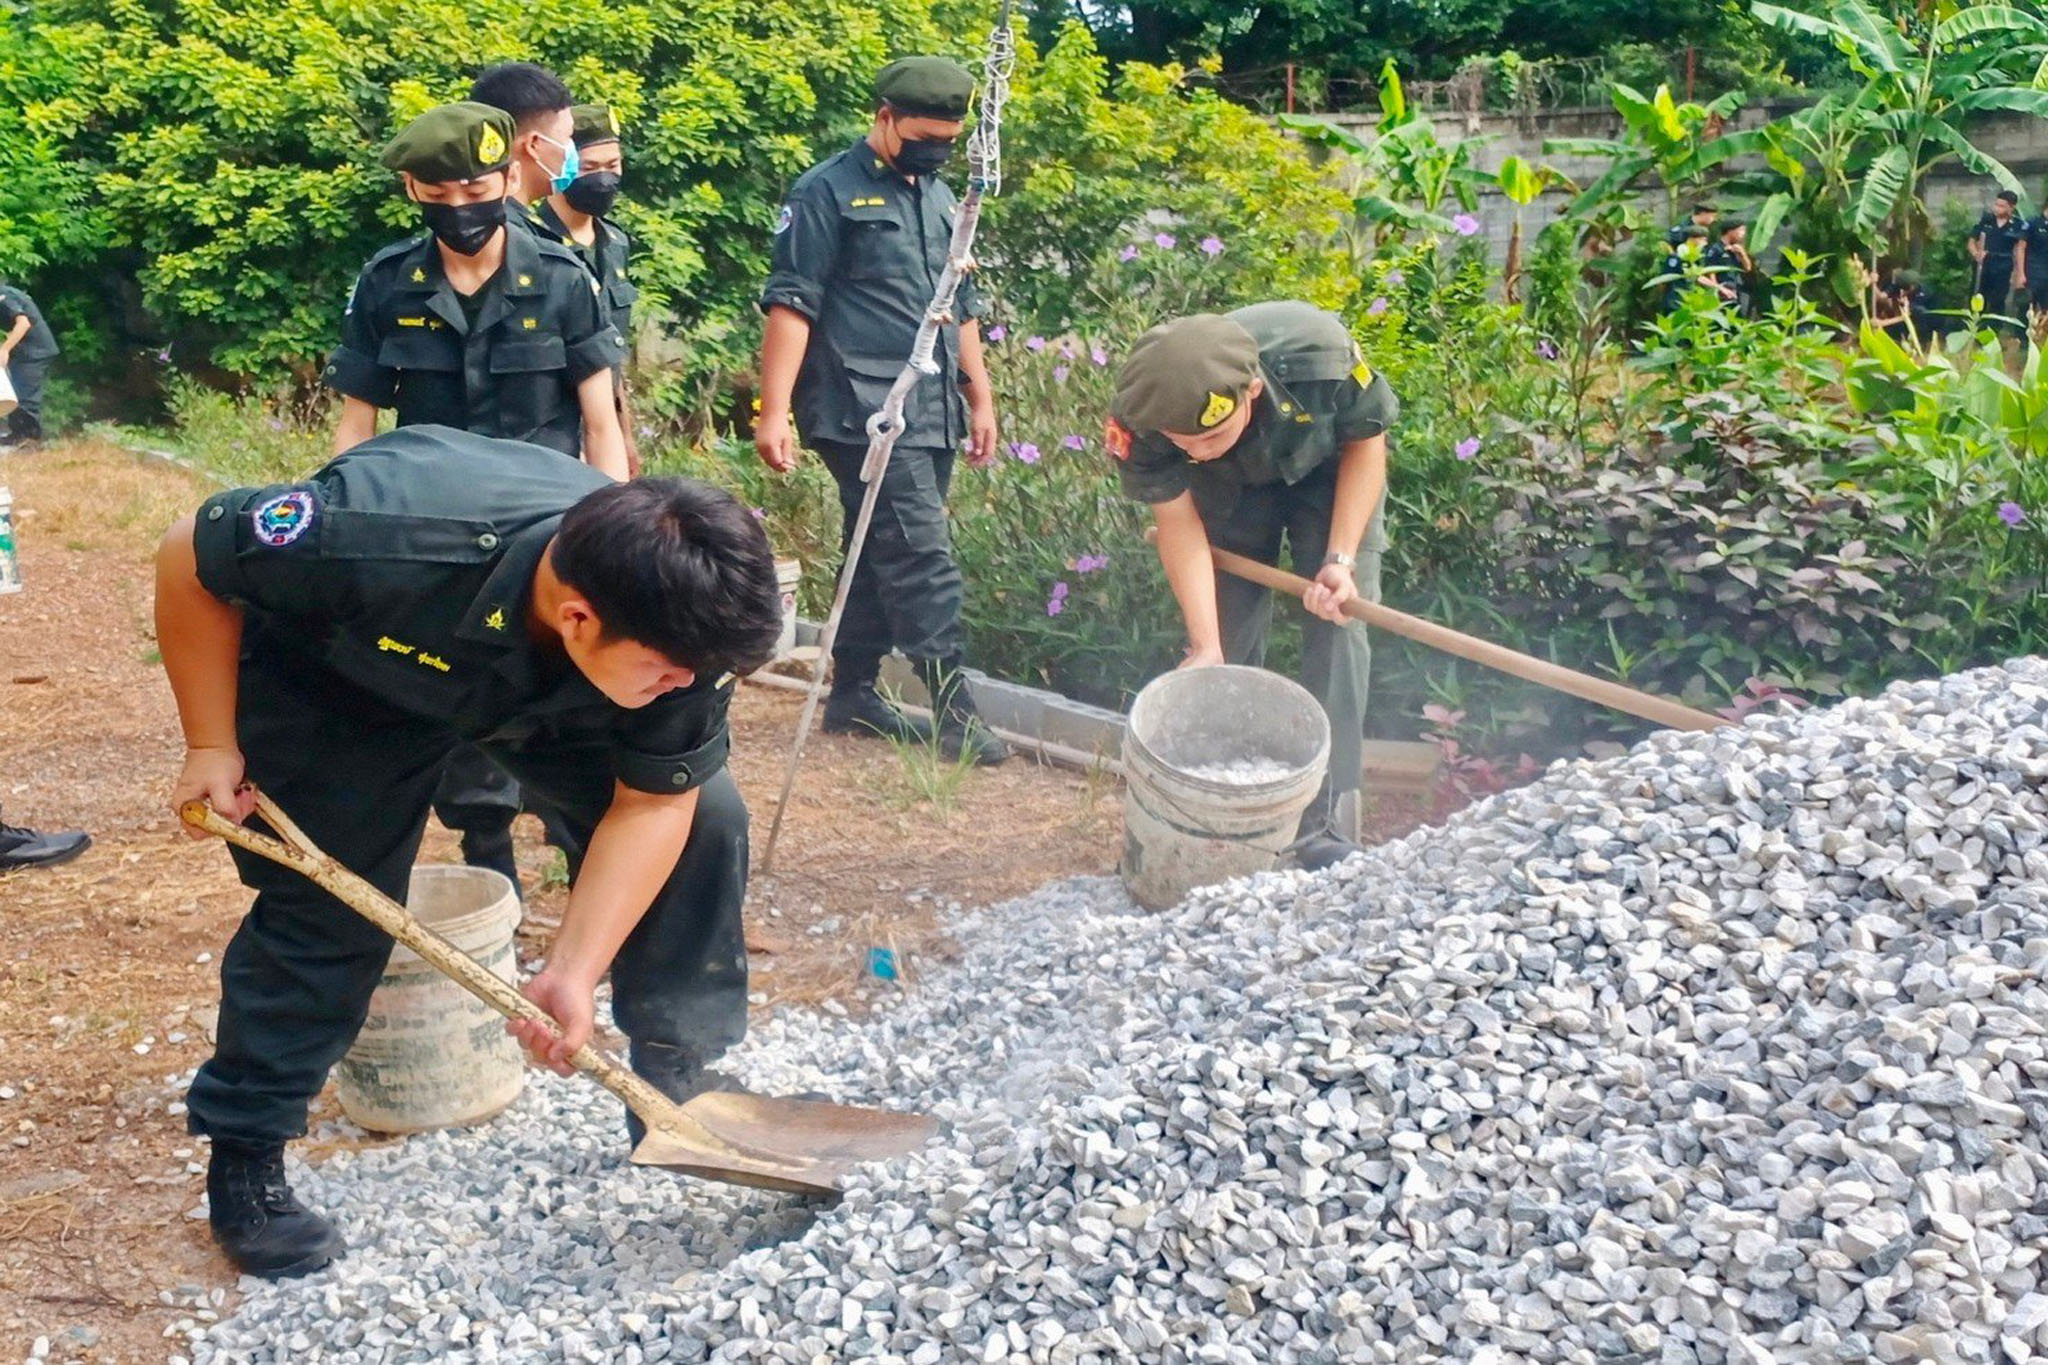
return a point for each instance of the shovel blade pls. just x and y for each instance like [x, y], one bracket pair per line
[802, 1146]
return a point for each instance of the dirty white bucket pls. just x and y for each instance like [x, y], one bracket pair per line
[1183, 830]
[789, 574]
[431, 1055]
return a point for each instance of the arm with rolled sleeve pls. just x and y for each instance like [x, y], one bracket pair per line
[806, 256]
[353, 370]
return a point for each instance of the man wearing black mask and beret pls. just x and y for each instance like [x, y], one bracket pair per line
[859, 247]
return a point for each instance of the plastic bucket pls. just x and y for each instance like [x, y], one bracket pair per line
[789, 573]
[1182, 829]
[431, 1055]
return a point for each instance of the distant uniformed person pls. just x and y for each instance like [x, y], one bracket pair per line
[1243, 430]
[27, 346]
[1732, 272]
[859, 248]
[1682, 267]
[1702, 217]
[331, 640]
[578, 218]
[487, 328]
[1998, 245]
[2036, 266]
[544, 158]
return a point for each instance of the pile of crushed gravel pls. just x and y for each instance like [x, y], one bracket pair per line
[1728, 1049]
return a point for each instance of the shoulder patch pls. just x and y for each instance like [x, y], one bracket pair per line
[784, 219]
[283, 519]
[1116, 439]
[1362, 372]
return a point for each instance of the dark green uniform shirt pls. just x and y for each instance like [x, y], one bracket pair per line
[604, 258]
[859, 250]
[405, 566]
[406, 342]
[1319, 396]
[40, 343]
[2001, 244]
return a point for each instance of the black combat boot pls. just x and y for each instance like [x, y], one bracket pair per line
[261, 1227]
[21, 847]
[854, 707]
[677, 1072]
[961, 728]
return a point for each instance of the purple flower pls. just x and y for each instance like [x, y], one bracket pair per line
[1059, 374]
[1057, 603]
[1074, 442]
[1395, 277]
[1212, 246]
[1466, 448]
[1376, 307]
[274, 424]
[163, 357]
[1024, 451]
[1546, 348]
[759, 515]
[1098, 355]
[1067, 349]
[1091, 563]
[2011, 513]
[998, 332]
[646, 430]
[1163, 240]
[1034, 344]
[1129, 253]
[1464, 225]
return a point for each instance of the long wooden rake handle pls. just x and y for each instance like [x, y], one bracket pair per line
[294, 850]
[1662, 710]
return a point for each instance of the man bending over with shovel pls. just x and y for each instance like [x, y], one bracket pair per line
[331, 640]
[1241, 429]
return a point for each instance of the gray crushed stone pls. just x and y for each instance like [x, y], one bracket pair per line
[1727, 1049]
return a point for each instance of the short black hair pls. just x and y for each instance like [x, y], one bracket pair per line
[1728, 225]
[1697, 209]
[2009, 197]
[678, 566]
[521, 89]
[1696, 233]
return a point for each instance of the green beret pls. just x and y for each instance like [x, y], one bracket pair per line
[453, 142]
[926, 87]
[1186, 376]
[595, 123]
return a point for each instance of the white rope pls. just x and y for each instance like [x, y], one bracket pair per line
[985, 177]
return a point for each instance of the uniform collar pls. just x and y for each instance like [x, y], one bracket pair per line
[497, 615]
[870, 160]
[545, 217]
[420, 273]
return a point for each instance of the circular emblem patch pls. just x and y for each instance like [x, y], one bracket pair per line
[784, 219]
[283, 519]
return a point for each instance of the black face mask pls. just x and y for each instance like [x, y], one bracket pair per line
[924, 156]
[465, 228]
[593, 192]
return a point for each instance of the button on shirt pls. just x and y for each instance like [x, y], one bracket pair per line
[1319, 396]
[408, 343]
[859, 250]
[405, 567]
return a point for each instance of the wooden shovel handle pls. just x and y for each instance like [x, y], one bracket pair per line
[1662, 710]
[295, 851]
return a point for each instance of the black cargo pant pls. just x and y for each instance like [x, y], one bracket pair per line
[479, 800]
[25, 423]
[907, 591]
[357, 775]
[1336, 661]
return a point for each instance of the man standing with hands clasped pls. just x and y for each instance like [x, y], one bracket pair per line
[859, 248]
[1243, 429]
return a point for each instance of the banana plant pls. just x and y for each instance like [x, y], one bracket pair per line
[1925, 74]
[1663, 138]
[1411, 177]
[1521, 183]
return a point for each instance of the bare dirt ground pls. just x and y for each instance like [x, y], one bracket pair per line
[108, 965]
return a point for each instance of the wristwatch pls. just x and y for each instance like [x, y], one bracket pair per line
[1340, 558]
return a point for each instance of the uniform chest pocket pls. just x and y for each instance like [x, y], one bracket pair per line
[528, 355]
[421, 349]
[621, 292]
[878, 243]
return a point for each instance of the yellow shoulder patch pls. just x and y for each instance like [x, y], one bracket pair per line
[1219, 407]
[1362, 372]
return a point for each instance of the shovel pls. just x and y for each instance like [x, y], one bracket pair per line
[801, 1146]
[1647, 706]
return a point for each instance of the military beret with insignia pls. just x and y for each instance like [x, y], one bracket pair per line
[452, 142]
[1186, 376]
[595, 123]
[926, 87]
